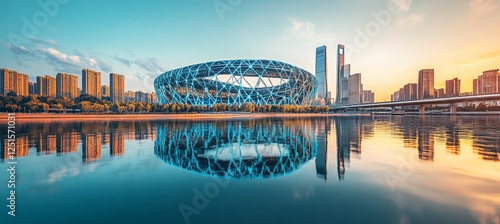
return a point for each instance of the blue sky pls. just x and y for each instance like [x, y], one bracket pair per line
[141, 39]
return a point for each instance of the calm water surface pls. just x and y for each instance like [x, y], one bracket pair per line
[399, 169]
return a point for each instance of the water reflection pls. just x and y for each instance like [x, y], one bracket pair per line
[65, 138]
[247, 149]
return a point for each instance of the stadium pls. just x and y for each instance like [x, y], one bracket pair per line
[263, 82]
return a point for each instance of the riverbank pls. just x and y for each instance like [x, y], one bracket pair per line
[49, 117]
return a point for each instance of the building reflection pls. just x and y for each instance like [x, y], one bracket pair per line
[247, 149]
[117, 143]
[46, 144]
[425, 144]
[322, 129]
[67, 142]
[452, 141]
[21, 148]
[91, 147]
[349, 132]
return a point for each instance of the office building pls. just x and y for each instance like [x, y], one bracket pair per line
[91, 83]
[355, 91]
[322, 74]
[117, 87]
[368, 96]
[46, 86]
[343, 73]
[411, 91]
[452, 87]
[67, 85]
[426, 84]
[439, 93]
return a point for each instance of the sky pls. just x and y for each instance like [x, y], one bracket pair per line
[387, 41]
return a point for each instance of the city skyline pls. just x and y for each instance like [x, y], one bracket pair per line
[402, 46]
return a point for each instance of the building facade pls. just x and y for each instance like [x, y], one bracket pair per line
[13, 81]
[67, 85]
[452, 87]
[105, 91]
[355, 92]
[342, 76]
[117, 87]
[487, 83]
[368, 96]
[322, 74]
[411, 91]
[91, 83]
[426, 84]
[46, 86]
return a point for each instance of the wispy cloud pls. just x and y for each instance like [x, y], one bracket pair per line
[481, 7]
[402, 5]
[43, 41]
[411, 19]
[307, 32]
[149, 64]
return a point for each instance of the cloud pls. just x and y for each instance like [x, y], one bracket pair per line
[149, 64]
[61, 61]
[402, 5]
[42, 41]
[307, 32]
[481, 7]
[412, 19]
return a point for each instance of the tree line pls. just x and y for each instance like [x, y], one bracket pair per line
[89, 104]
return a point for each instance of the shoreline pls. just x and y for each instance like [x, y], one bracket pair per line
[46, 117]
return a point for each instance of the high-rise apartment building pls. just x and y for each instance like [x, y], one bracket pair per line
[487, 83]
[322, 74]
[67, 85]
[46, 86]
[426, 84]
[439, 93]
[91, 83]
[452, 87]
[12, 81]
[117, 87]
[32, 88]
[105, 91]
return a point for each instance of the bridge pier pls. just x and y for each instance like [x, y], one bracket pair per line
[421, 110]
[453, 109]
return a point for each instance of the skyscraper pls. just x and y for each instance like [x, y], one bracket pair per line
[426, 84]
[355, 90]
[368, 96]
[67, 85]
[91, 83]
[322, 74]
[46, 86]
[341, 78]
[117, 87]
[452, 87]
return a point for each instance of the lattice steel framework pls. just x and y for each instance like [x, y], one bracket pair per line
[237, 82]
[186, 145]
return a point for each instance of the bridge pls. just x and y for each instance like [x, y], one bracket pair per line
[452, 101]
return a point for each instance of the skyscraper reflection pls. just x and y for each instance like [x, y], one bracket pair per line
[322, 128]
[67, 142]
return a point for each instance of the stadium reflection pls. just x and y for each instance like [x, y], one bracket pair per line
[238, 149]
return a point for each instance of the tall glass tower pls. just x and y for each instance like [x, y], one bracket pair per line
[322, 74]
[342, 76]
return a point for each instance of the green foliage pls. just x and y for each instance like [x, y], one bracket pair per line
[90, 104]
